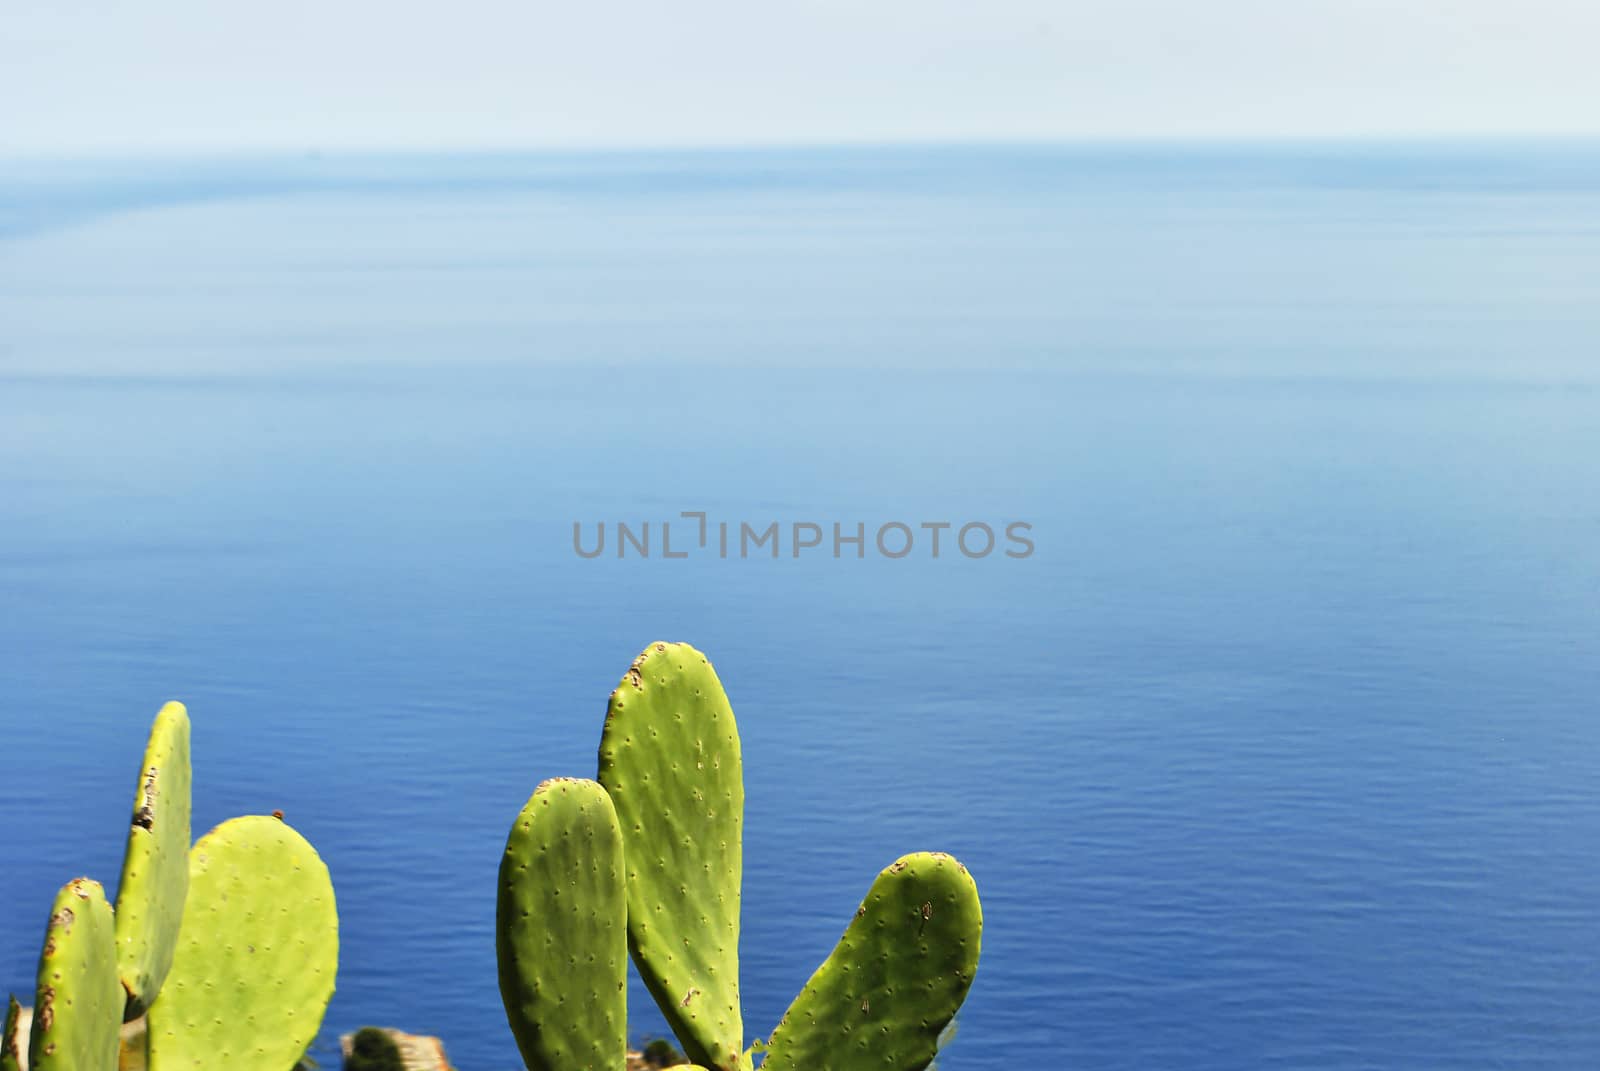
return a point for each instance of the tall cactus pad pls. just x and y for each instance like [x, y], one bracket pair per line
[669, 757]
[155, 867]
[896, 978]
[256, 956]
[78, 1010]
[10, 1043]
[561, 930]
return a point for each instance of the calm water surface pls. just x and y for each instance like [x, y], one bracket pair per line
[1281, 751]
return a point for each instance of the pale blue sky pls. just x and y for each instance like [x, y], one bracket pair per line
[115, 75]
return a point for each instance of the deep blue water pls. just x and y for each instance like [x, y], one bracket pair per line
[1280, 751]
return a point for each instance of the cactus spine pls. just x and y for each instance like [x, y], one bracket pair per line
[155, 866]
[670, 759]
[256, 957]
[77, 1011]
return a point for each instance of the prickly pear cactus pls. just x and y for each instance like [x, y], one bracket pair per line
[78, 1008]
[10, 1043]
[256, 956]
[897, 977]
[561, 930]
[155, 866]
[669, 758]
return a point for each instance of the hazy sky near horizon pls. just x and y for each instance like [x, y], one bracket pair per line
[178, 75]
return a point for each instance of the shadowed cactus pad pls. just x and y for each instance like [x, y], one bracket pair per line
[896, 978]
[155, 867]
[561, 930]
[669, 757]
[256, 957]
[77, 1012]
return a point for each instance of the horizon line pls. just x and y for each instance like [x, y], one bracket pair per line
[219, 152]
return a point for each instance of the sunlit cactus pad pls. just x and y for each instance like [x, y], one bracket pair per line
[561, 930]
[155, 867]
[77, 1010]
[896, 978]
[669, 757]
[256, 956]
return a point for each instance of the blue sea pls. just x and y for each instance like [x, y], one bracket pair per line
[1281, 749]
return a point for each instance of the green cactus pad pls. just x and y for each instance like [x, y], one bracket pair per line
[256, 957]
[898, 975]
[669, 757]
[10, 1044]
[155, 867]
[561, 930]
[78, 1009]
